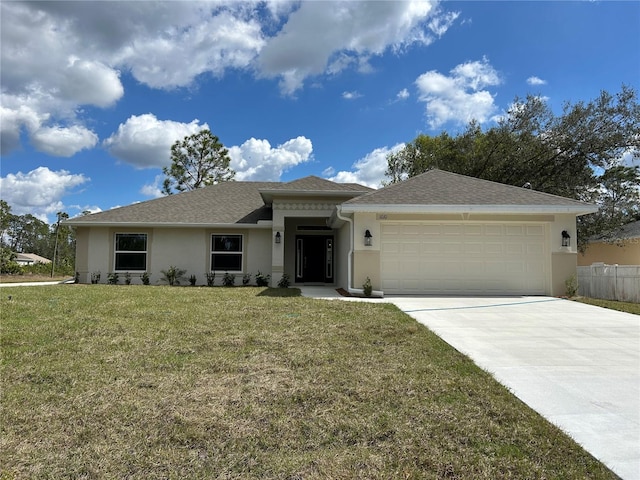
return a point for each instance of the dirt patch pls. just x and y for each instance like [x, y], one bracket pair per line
[343, 292]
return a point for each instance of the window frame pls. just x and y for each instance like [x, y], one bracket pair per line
[144, 252]
[239, 253]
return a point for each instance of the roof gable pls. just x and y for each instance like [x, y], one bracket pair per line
[441, 188]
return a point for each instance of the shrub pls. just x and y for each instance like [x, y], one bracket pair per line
[192, 280]
[246, 278]
[571, 285]
[284, 281]
[211, 278]
[127, 278]
[173, 275]
[367, 287]
[262, 280]
[112, 278]
[228, 279]
[95, 277]
[145, 278]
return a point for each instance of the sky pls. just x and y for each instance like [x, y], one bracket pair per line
[93, 94]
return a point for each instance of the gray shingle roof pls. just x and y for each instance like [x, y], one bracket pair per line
[438, 187]
[224, 203]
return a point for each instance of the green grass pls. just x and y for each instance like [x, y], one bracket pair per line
[612, 304]
[211, 383]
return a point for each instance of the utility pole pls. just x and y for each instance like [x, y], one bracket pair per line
[55, 245]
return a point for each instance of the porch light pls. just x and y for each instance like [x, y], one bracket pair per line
[566, 238]
[367, 238]
[278, 237]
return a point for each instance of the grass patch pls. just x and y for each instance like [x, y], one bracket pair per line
[611, 304]
[159, 382]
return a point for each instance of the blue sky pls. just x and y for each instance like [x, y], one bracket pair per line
[95, 93]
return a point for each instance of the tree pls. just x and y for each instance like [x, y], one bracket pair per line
[577, 154]
[197, 161]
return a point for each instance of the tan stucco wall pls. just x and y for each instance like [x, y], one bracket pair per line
[366, 264]
[563, 267]
[626, 254]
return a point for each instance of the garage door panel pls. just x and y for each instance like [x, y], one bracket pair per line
[445, 258]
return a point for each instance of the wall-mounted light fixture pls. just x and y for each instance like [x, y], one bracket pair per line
[278, 237]
[367, 238]
[566, 238]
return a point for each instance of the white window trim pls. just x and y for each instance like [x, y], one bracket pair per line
[215, 252]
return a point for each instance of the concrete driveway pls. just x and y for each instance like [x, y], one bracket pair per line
[575, 364]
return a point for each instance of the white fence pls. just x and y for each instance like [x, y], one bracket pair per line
[610, 282]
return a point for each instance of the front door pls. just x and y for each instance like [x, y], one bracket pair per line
[314, 258]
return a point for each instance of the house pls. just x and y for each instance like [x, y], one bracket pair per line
[623, 248]
[436, 233]
[25, 259]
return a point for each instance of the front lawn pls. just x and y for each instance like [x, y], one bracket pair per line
[612, 304]
[211, 383]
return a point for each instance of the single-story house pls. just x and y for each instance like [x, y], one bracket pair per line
[436, 233]
[622, 248]
[26, 259]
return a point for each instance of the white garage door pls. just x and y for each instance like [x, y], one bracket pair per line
[456, 258]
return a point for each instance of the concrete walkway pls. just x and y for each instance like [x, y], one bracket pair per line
[575, 364]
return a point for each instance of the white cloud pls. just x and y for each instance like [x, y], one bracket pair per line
[63, 142]
[536, 81]
[461, 96]
[368, 171]
[322, 37]
[144, 141]
[402, 94]
[60, 56]
[351, 95]
[38, 192]
[257, 160]
[153, 190]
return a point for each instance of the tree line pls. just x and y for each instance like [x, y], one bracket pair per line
[28, 234]
[578, 154]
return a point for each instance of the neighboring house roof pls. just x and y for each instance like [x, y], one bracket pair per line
[227, 203]
[31, 258]
[630, 230]
[444, 191]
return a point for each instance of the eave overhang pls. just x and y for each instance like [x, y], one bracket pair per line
[260, 225]
[485, 209]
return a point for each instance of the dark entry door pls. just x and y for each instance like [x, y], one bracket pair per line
[314, 258]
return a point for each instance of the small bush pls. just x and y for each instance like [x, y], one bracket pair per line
[246, 279]
[228, 279]
[262, 280]
[127, 278]
[284, 281]
[173, 275]
[95, 277]
[571, 285]
[211, 278]
[145, 278]
[113, 278]
[192, 280]
[367, 287]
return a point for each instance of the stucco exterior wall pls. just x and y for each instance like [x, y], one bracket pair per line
[563, 267]
[187, 249]
[628, 253]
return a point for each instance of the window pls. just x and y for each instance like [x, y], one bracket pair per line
[226, 253]
[131, 252]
